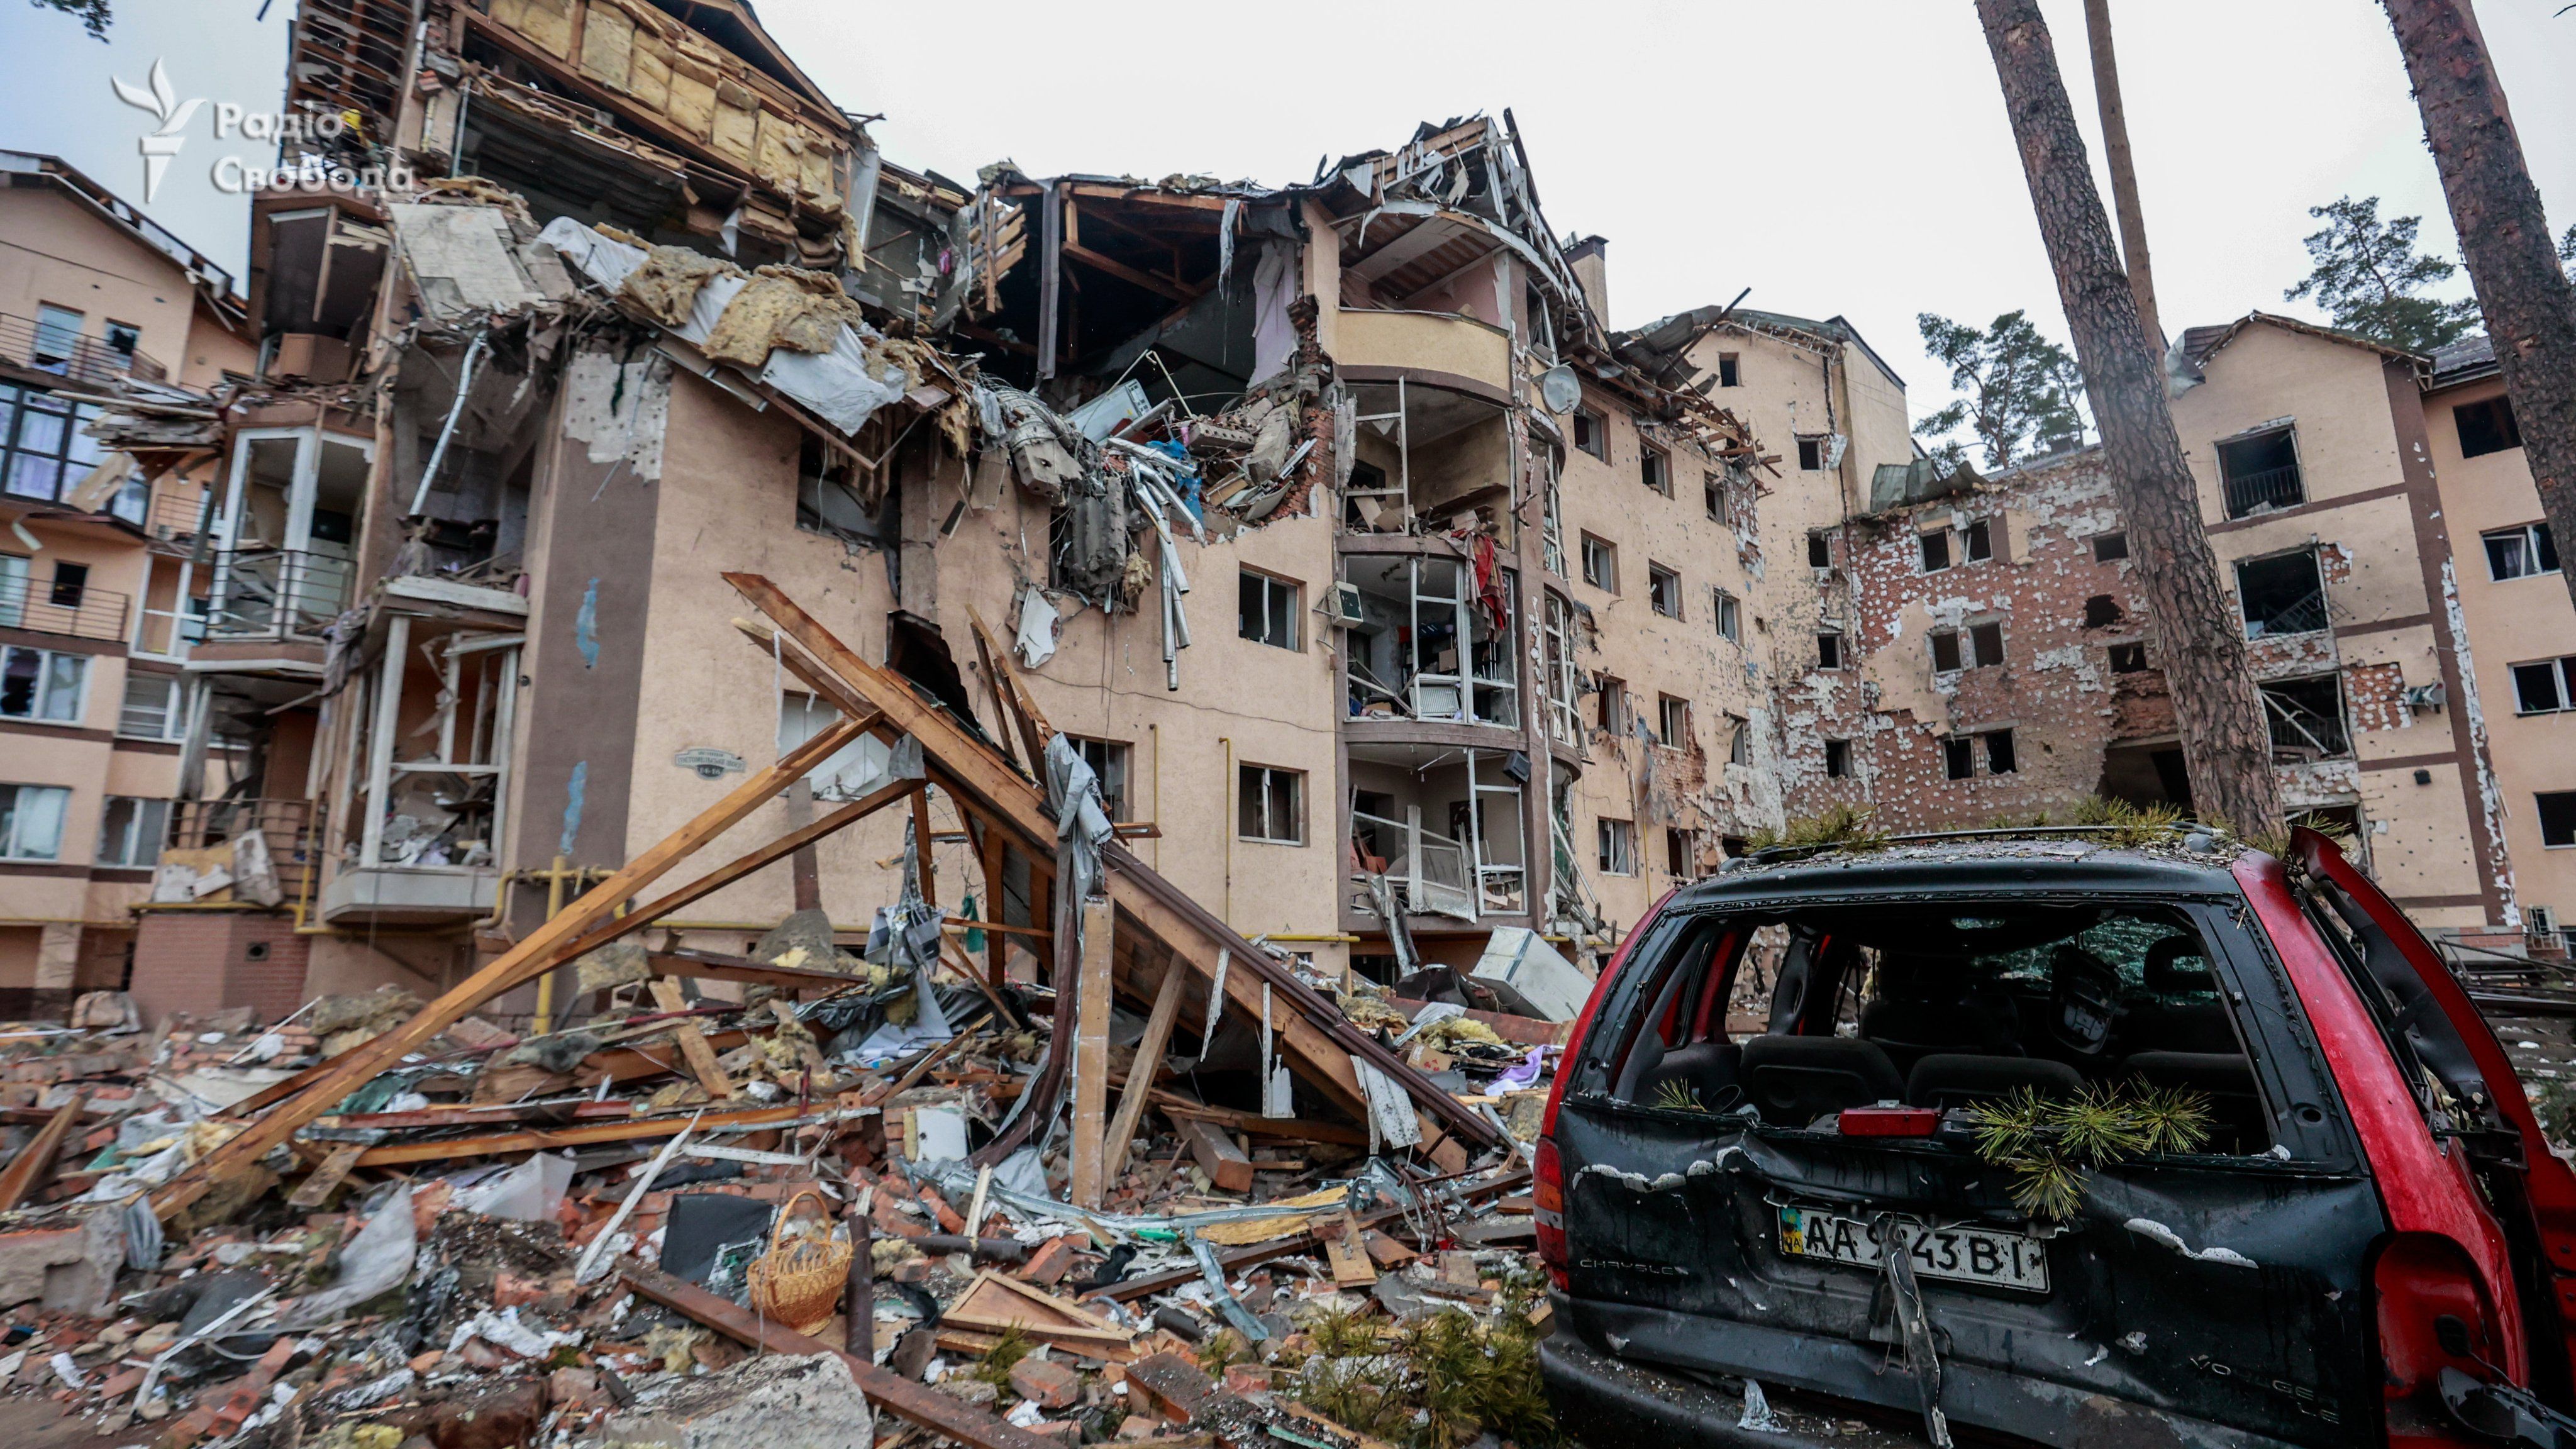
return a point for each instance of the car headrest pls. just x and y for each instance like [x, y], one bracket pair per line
[1796, 1079]
[1956, 1079]
[2165, 973]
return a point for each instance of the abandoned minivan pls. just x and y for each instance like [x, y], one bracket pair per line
[2028, 1138]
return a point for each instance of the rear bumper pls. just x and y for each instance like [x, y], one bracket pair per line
[1604, 1400]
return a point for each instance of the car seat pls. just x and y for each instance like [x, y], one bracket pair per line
[1793, 1080]
[1713, 1070]
[1960, 1079]
[2237, 1119]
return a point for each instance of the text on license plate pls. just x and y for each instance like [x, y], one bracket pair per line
[1962, 1254]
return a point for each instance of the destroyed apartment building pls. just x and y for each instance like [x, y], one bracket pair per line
[1379, 584]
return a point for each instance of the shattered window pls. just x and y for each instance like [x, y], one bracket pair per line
[1945, 650]
[131, 830]
[2520, 553]
[2110, 547]
[39, 684]
[1829, 649]
[2284, 594]
[1673, 721]
[1617, 840]
[1272, 805]
[2486, 427]
[1712, 488]
[1739, 740]
[1730, 370]
[1600, 564]
[31, 821]
[1986, 644]
[1820, 550]
[1656, 470]
[2557, 810]
[2307, 719]
[1959, 757]
[1108, 761]
[1591, 434]
[2128, 658]
[1838, 759]
[1730, 619]
[1980, 540]
[1614, 705]
[2546, 687]
[2261, 472]
[2102, 611]
[1999, 752]
[1681, 855]
[1811, 455]
[1664, 589]
[1269, 611]
[1936, 550]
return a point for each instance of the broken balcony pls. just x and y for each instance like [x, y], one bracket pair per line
[286, 534]
[423, 768]
[1429, 457]
[1411, 823]
[1429, 645]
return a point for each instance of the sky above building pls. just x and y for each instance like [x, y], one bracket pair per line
[1838, 157]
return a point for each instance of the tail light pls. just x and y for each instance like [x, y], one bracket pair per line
[1547, 1196]
[1890, 1121]
[2421, 1280]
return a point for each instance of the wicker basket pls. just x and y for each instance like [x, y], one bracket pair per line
[798, 1283]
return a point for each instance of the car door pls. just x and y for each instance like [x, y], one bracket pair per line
[2530, 1189]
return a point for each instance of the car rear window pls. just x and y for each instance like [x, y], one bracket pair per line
[1793, 1016]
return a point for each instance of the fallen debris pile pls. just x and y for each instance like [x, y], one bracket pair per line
[781, 1193]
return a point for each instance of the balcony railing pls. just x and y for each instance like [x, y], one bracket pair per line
[2271, 488]
[176, 515]
[77, 610]
[278, 593]
[287, 826]
[31, 344]
[1433, 869]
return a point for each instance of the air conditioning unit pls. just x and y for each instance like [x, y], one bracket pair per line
[1346, 604]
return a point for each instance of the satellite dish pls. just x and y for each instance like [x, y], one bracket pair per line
[1560, 389]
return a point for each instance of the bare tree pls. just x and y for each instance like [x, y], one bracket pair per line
[2226, 743]
[2530, 304]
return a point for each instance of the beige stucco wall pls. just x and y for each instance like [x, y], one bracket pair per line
[53, 249]
[2360, 515]
[2508, 622]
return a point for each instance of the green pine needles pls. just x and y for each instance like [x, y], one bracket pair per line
[2048, 1143]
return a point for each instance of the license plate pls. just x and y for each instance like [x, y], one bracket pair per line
[1960, 1254]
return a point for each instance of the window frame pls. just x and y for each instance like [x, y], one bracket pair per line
[12, 815]
[1663, 585]
[1655, 469]
[1669, 710]
[2111, 547]
[2561, 673]
[1107, 759]
[1838, 759]
[1589, 431]
[1820, 541]
[1936, 640]
[1977, 541]
[2535, 544]
[2503, 435]
[1292, 619]
[1739, 740]
[1730, 369]
[134, 831]
[1729, 614]
[1841, 656]
[1933, 542]
[1609, 553]
[1811, 453]
[1613, 839]
[2539, 815]
[1977, 635]
[46, 684]
[174, 709]
[1245, 772]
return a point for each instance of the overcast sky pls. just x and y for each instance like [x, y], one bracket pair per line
[1837, 156]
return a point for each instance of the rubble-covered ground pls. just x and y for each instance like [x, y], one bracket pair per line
[635, 1229]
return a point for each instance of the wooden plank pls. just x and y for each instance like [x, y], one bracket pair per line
[1217, 1156]
[543, 950]
[914, 1403]
[921, 846]
[1140, 1077]
[995, 854]
[32, 1160]
[693, 1042]
[1147, 1285]
[1162, 286]
[1092, 990]
[714, 966]
[315, 1190]
[539, 1139]
[1293, 1129]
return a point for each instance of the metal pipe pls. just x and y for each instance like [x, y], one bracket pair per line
[455, 410]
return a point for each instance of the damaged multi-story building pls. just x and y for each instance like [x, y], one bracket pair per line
[2006, 667]
[1392, 596]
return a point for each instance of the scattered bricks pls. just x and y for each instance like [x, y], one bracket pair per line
[512, 1291]
[1051, 1384]
[977, 1392]
[887, 1216]
[70, 1269]
[1050, 1262]
[498, 1416]
[192, 1426]
[579, 1390]
[120, 1385]
[1138, 1426]
[424, 1362]
[949, 1219]
[1247, 1378]
[911, 1270]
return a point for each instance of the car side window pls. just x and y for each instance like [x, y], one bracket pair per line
[2399, 1001]
[2433, 1098]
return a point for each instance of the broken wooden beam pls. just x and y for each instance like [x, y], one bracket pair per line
[693, 1042]
[1092, 991]
[539, 1139]
[1140, 1075]
[1319, 1041]
[1217, 1156]
[30, 1164]
[546, 948]
[911, 1402]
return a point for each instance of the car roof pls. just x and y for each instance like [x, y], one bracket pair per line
[1977, 863]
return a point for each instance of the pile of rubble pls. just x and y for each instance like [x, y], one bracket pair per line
[801, 1188]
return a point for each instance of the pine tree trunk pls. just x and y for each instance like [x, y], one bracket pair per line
[2529, 304]
[2124, 171]
[2226, 743]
